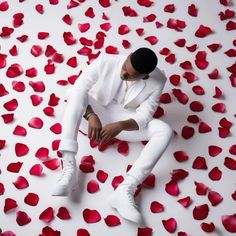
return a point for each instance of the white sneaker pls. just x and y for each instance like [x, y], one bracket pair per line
[68, 180]
[122, 199]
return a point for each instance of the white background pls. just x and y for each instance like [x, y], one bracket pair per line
[110, 160]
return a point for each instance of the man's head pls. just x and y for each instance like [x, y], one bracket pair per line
[139, 64]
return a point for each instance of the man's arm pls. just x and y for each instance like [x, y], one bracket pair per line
[129, 125]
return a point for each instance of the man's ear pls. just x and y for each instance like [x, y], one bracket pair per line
[145, 77]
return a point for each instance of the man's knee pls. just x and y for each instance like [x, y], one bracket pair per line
[157, 126]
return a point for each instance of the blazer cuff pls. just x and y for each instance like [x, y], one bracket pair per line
[68, 145]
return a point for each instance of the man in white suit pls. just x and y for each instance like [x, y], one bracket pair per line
[118, 96]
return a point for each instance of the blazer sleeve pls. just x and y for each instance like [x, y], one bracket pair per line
[76, 103]
[145, 111]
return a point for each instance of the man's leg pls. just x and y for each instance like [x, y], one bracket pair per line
[158, 134]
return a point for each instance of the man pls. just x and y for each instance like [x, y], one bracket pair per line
[119, 96]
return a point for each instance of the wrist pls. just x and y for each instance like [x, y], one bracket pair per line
[92, 114]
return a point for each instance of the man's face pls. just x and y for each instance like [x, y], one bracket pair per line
[129, 73]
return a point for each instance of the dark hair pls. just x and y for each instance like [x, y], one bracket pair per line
[144, 60]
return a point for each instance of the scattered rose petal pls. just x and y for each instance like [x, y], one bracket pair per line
[200, 212]
[21, 149]
[156, 207]
[112, 220]
[187, 132]
[229, 222]
[36, 123]
[199, 163]
[52, 164]
[123, 148]
[14, 70]
[153, 40]
[144, 231]
[91, 216]
[15, 167]
[21, 182]
[185, 202]
[111, 50]
[9, 204]
[36, 170]
[22, 218]
[215, 174]
[116, 181]
[203, 31]
[37, 86]
[31, 199]
[47, 215]
[102, 176]
[170, 225]
[92, 186]
[67, 19]
[215, 198]
[63, 213]
[192, 10]
[208, 227]
[230, 163]
[83, 232]
[56, 128]
[181, 156]
[149, 181]
[201, 189]
[214, 150]
[172, 188]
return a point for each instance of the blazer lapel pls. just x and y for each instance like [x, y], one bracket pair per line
[134, 91]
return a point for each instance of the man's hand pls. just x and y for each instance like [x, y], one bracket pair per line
[109, 131]
[94, 128]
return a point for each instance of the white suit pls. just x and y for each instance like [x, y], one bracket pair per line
[100, 84]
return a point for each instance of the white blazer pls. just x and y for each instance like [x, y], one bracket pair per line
[101, 80]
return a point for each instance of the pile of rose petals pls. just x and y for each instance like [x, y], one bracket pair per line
[37, 64]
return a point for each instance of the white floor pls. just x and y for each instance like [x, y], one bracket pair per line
[110, 160]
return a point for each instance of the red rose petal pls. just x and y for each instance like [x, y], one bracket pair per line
[201, 189]
[72, 62]
[219, 107]
[197, 89]
[11, 105]
[37, 86]
[92, 186]
[49, 68]
[231, 25]
[69, 38]
[53, 100]
[6, 31]
[47, 215]
[172, 188]
[112, 220]
[181, 97]
[196, 106]
[3, 90]
[208, 227]
[144, 231]
[67, 19]
[186, 65]
[31, 199]
[193, 119]
[52, 164]
[191, 77]
[169, 8]
[200, 212]
[21, 149]
[104, 3]
[199, 163]
[229, 222]
[181, 156]
[123, 29]
[39, 8]
[192, 10]
[36, 123]
[102, 176]
[91, 216]
[56, 128]
[128, 11]
[42, 153]
[204, 127]
[178, 174]
[225, 2]
[49, 111]
[19, 130]
[185, 202]
[36, 50]
[164, 51]
[176, 24]
[123, 148]
[36, 170]
[149, 181]
[180, 42]
[170, 225]
[175, 79]
[111, 50]
[21, 182]
[9, 204]
[149, 18]
[2, 189]
[14, 70]
[214, 46]
[232, 149]
[214, 150]
[187, 132]
[72, 4]
[53, 2]
[89, 12]
[13, 51]
[215, 174]
[215, 198]
[18, 86]
[156, 207]
[153, 40]
[83, 27]
[15, 167]
[145, 3]
[57, 57]
[22, 218]
[230, 163]
[86, 167]
[203, 31]
[83, 232]
[36, 99]
[126, 44]
[226, 124]
[170, 58]
[63, 213]
[3, 61]
[8, 118]
[116, 181]
[32, 72]
[4, 6]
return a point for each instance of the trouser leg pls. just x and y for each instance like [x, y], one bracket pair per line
[158, 134]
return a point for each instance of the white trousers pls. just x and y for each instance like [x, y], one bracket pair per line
[157, 133]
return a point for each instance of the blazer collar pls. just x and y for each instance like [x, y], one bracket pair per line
[134, 91]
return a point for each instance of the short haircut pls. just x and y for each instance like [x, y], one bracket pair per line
[143, 60]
